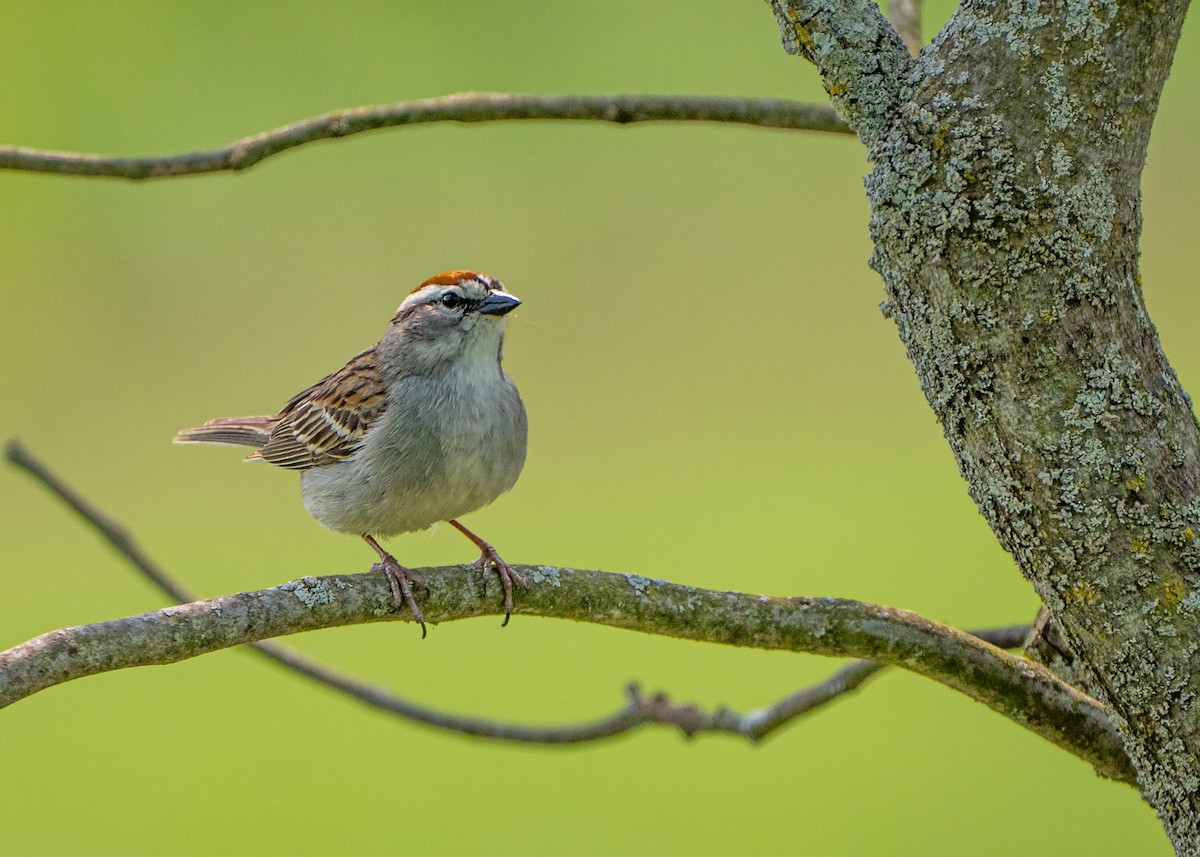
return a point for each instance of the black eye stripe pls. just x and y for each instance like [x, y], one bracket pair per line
[453, 300]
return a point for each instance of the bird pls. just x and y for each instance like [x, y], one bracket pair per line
[422, 427]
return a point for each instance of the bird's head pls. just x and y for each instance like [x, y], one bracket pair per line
[455, 319]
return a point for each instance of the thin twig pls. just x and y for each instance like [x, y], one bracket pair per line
[1024, 692]
[115, 534]
[460, 107]
[758, 724]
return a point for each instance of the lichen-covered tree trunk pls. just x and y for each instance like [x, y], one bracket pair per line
[1006, 216]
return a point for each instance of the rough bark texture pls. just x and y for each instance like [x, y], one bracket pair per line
[1018, 689]
[1006, 216]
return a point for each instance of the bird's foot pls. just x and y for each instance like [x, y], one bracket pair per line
[490, 561]
[401, 580]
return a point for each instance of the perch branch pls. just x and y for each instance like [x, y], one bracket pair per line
[1018, 689]
[639, 710]
[460, 107]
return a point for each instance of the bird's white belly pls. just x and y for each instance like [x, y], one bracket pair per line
[382, 502]
[405, 480]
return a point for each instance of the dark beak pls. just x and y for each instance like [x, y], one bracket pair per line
[498, 303]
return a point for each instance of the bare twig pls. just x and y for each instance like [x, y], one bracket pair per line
[461, 107]
[759, 724]
[1022, 691]
[905, 16]
[115, 534]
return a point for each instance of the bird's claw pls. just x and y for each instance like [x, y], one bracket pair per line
[490, 561]
[400, 579]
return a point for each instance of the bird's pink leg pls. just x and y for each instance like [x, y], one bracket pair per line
[401, 580]
[489, 557]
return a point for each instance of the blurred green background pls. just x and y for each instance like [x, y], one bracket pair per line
[714, 399]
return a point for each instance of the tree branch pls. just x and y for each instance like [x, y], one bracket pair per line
[758, 724]
[638, 711]
[460, 107]
[862, 61]
[1020, 690]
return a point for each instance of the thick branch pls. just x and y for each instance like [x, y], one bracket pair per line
[862, 61]
[1018, 689]
[461, 107]
[639, 710]
[1006, 216]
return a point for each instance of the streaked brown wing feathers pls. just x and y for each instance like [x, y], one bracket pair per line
[326, 423]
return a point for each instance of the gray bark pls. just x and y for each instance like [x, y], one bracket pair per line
[1006, 217]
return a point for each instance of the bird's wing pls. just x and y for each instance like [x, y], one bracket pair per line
[327, 422]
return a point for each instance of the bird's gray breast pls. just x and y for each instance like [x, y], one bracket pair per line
[442, 448]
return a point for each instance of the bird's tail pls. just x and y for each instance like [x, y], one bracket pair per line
[238, 431]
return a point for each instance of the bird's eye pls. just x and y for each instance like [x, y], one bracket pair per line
[450, 300]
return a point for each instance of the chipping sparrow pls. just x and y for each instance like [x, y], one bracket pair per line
[423, 427]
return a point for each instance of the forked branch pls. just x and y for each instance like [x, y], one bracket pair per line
[862, 60]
